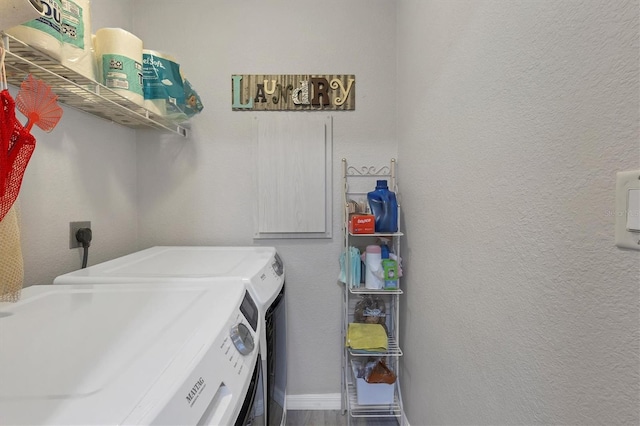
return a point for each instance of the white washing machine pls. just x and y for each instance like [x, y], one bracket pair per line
[259, 268]
[154, 353]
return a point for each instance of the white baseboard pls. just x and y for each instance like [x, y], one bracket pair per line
[324, 401]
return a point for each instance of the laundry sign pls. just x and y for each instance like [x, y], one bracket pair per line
[292, 92]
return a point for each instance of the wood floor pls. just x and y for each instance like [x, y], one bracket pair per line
[332, 418]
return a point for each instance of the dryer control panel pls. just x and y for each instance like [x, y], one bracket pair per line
[267, 283]
[222, 374]
[277, 265]
[250, 311]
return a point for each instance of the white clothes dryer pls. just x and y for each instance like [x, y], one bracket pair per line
[134, 353]
[259, 268]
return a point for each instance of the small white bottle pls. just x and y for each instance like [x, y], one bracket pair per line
[373, 261]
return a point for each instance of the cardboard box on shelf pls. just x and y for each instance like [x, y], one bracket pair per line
[361, 224]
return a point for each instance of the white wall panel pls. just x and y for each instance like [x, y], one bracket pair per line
[292, 168]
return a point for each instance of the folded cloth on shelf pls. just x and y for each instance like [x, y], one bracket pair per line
[367, 337]
[355, 267]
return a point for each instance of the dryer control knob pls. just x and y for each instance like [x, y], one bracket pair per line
[242, 339]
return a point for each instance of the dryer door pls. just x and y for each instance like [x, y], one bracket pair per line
[276, 330]
[252, 412]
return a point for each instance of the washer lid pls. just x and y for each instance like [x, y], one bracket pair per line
[164, 262]
[88, 355]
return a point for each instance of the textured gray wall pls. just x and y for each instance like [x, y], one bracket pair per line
[85, 169]
[513, 118]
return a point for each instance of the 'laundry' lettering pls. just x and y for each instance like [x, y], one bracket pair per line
[293, 92]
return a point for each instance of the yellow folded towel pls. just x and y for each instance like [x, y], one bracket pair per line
[367, 337]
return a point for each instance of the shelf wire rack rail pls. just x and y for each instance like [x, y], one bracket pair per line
[77, 91]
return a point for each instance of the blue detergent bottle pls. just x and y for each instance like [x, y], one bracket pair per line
[384, 207]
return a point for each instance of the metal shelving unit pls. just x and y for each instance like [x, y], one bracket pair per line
[77, 91]
[357, 181]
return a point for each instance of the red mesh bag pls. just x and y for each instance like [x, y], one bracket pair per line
[16, 147]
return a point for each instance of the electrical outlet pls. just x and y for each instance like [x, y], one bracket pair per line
[73, 228]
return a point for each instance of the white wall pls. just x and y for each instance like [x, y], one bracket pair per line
[85, 169]
[513, 118]
[198, 190]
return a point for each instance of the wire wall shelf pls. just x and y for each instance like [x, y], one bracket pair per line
[77, 91]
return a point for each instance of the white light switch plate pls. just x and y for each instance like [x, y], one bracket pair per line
[628, 210]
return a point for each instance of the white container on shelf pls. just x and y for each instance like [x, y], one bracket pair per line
[119, 62]
[44, 32]
[372, 393]
[373, 262]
